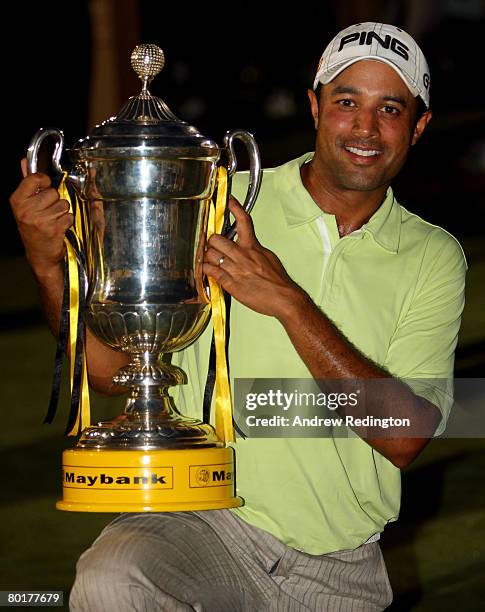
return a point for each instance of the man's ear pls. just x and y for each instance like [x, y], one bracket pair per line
[313, 106]
[421, 126]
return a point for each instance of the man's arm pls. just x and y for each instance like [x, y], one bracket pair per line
[255, 277]
[329, 355]
[43, 219]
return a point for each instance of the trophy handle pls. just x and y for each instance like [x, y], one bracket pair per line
[35, 143]
[255, 174]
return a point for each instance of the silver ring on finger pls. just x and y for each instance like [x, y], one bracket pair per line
[221, 260]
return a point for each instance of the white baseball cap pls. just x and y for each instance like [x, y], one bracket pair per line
[377, 41]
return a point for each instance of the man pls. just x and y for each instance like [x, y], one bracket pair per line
[348, 285]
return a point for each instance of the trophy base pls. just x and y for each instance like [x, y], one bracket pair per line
[149, 481]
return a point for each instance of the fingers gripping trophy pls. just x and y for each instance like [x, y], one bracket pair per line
[152, 189]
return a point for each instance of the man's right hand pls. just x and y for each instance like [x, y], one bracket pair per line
[42, 219]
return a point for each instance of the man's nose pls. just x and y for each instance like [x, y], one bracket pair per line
[365, 123]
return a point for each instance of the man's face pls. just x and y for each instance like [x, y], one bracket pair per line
[366, 123]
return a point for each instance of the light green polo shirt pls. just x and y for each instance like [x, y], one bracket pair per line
[395, 289]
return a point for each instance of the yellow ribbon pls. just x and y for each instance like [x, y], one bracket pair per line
[83, 419]
[223, 401]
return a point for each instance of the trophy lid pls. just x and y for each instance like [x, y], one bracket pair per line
[145, 121]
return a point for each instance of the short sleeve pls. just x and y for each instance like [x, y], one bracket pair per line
[421, 351]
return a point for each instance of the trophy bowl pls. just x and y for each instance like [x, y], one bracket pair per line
[147, 179]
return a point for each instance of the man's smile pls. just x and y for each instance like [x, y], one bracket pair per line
[363, 154]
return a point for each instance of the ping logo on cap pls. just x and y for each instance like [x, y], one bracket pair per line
[366, 38]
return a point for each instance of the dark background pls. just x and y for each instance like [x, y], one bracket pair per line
[241, 64]
[247, 64]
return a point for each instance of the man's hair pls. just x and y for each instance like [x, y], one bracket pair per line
[420, 109]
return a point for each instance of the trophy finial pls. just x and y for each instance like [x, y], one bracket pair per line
[147, 61]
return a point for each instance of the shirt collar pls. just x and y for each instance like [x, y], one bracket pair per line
[385, 224]
[299, 207]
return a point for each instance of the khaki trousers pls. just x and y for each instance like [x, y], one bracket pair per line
[213, 561]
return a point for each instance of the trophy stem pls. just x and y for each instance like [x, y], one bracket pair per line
[148, 378]
[150, 419]
[151, 401]
[148, 370]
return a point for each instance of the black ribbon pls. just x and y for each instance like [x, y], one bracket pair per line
[61, 345]
[78, 357]
[64, 325]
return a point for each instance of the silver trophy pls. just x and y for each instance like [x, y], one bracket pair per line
[148, 178]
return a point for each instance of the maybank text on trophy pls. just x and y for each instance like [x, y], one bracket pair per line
[146, 190]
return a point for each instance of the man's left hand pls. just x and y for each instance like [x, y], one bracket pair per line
[252, 274]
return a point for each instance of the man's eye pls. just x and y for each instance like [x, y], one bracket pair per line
[345, 102]
[391, 110]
